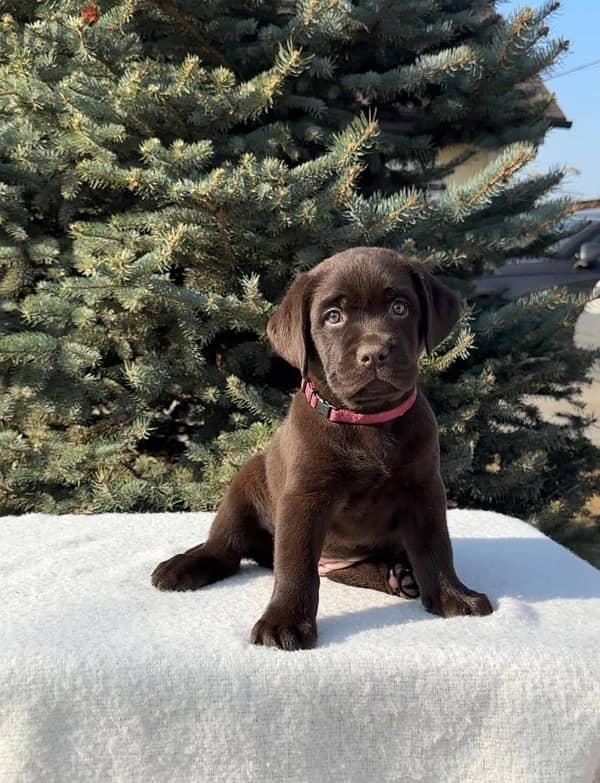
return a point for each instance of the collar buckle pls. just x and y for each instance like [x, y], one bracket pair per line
[323, 407]
[315, 400]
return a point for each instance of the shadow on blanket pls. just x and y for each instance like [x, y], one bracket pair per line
[529, 569]
[516, 573]
[524, 570]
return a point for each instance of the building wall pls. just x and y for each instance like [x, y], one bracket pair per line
[469, 168]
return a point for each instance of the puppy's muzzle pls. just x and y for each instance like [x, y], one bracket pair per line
[374, 353]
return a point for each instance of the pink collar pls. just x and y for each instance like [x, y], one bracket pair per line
[351, 417]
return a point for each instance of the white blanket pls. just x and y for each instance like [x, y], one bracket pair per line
[105, 679]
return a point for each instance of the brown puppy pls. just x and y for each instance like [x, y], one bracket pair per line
[355, 325]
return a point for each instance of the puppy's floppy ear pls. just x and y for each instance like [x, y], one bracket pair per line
[440, 308]
[288, 328]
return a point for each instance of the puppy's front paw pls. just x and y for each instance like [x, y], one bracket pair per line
[466, 603]
[454, 603]
[190, 572]
[278, 629]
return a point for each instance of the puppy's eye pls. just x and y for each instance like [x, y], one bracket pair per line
[399, 307]
[333, 316]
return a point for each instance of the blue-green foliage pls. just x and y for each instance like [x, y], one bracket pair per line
[165, 172]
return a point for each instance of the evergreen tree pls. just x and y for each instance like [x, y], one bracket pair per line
[166, 167]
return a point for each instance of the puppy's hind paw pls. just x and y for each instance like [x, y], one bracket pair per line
[402, 582]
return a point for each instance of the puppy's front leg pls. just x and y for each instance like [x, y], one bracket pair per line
[290, 619]
[427, 542]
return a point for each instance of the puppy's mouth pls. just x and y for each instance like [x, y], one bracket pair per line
[374, 389]
[376, 392]
[371, 392]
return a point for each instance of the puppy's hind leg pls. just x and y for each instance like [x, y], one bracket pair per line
[372, 575]
[236, 532]
[393, 576]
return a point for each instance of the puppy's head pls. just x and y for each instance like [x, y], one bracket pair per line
[360, 319]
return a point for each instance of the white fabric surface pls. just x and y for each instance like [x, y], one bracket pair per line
[105, 679]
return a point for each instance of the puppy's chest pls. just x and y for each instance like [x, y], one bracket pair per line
[364, 509]
[372, 478]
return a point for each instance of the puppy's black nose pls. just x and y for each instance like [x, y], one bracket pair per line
[373, 355]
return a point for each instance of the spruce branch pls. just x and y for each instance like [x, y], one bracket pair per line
[187, 23]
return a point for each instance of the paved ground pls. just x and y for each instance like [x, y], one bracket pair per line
[587, 335]
[526, 275]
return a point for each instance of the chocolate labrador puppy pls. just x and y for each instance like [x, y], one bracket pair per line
[350, 486]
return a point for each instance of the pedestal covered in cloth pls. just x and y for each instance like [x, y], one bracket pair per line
[103, 678]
